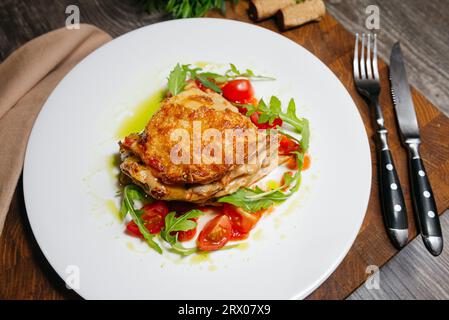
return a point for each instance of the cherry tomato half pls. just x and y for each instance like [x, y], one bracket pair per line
[287, 146]
[215, 234]
[292, 163]
[242, 222]
[133, 229]
[153, 218]
[255, 119]
[238, 91]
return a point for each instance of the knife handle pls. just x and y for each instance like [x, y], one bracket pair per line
[424, 203]
[392, 199]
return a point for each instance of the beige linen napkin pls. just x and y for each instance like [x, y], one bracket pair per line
[27, 78]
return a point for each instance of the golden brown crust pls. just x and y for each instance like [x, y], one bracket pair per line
[155, 146]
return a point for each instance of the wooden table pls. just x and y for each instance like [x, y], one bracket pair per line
[24, 272]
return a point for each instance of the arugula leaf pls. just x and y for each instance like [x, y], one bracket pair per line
[275, 105]
[177, 80]
[131, 193]
[274, 110]
[239, 199]
[182, 223]
[254, 200]
[301, 125]
[208, 84]
[178, 77]
[257, 199]
[234, 73]
[185, 8]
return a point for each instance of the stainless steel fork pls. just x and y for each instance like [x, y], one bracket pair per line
[366, 77]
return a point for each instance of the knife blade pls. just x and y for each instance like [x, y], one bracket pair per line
[422, 195]
[402, 97]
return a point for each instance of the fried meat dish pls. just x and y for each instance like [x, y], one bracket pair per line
[147, 157]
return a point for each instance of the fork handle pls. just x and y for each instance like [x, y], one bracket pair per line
[392, 199]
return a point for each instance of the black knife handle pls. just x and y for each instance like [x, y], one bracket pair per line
[424, 203]
[392, 199]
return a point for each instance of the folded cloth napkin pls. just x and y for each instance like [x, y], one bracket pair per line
[27, 77]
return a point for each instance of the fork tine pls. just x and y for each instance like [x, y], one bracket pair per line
[356, 57]
[362, 59]
[375, 65]
[368, 59]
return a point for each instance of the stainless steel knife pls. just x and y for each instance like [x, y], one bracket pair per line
[425, 208]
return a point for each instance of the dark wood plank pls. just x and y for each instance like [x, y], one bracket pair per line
[24, 271]
[412, 274]
[23, 20]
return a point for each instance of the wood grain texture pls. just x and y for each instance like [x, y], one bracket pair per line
[23, 20]
[422, 27]
[411, 274]
[24, 272]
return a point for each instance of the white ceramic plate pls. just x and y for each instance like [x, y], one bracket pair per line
[70, 191]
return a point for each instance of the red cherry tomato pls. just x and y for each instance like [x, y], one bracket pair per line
[238, 91]
[267, 125]
[286, 146]
[242, 222]
[153, 218]
[215, 234]
[292, 163]
[133, 229]
[243, 110]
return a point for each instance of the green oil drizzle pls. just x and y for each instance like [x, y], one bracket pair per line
[113, 167]
[141, 115]
[212, 268]
[110, 204]
[272, 184]
[202, 64]
[257, 235]
[243, 246]
[200, 257]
